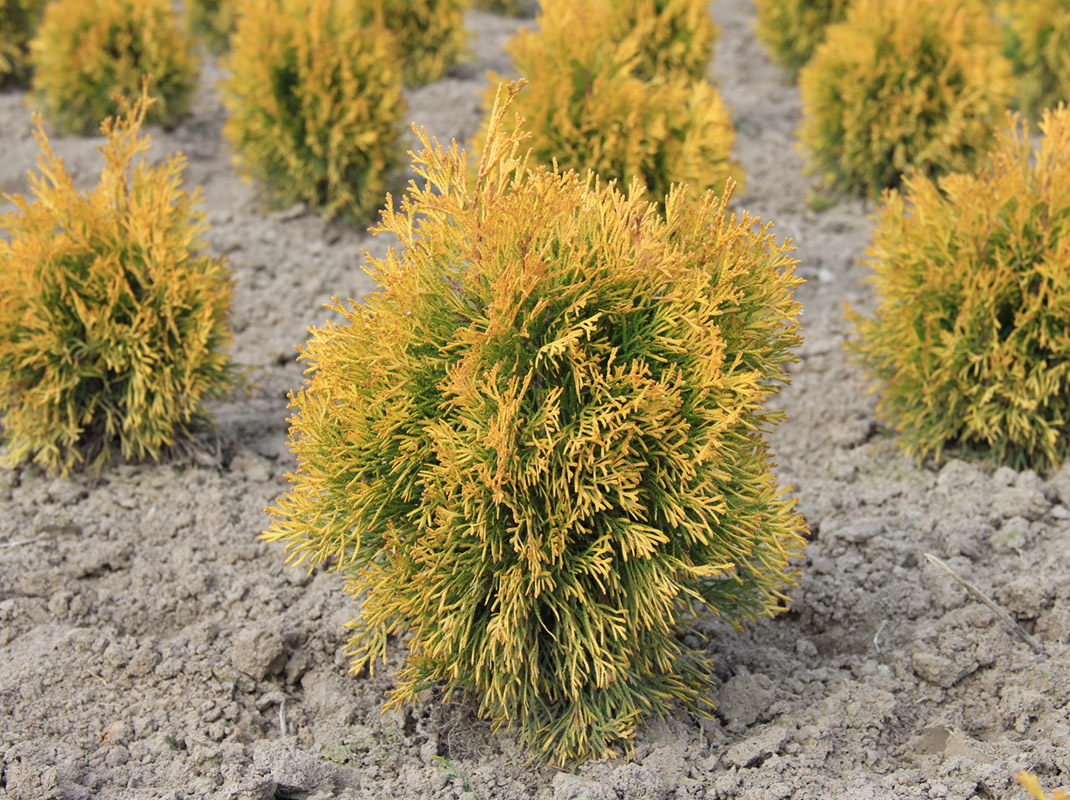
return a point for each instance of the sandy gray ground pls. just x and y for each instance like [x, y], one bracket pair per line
[152, 647]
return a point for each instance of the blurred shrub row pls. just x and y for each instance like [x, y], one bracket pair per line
[898, 85]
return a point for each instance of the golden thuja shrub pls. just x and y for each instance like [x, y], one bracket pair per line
[212, 21]
[18, 21]
[315, 102]
[430, 34]
[674, 35]
[1038, 44]
[970, 342]
[113, 320]
[538, 448]
[88, 51]
[903, 84]
[792, 29]
[588, 108]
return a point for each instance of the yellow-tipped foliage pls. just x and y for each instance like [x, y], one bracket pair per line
[113, 321]
[903, 84]
[430, 34]
[18, 21]
[792, 29]
[588, 108]
[674, 35]
[88, 51]
[212, 21]
[970, 343]
[315, 103]
[1038, 44]
[538, 448]
[1032, 785]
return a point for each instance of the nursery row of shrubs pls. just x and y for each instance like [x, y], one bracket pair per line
[539, 447]
[1035, 38]
[887, 85]
[892, 85]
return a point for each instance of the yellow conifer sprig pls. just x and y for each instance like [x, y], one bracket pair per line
[1032, 785]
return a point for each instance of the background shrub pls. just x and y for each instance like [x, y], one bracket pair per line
[514, 8]
[538, 446]
[113, 321]
[212, 21]
[792, 29]
[1038, 44]
[673, 35]
[587, 107]
[315, 101]
[970, 344]
[430, 34]
[18, 21]
[87, 51]
[903, 83]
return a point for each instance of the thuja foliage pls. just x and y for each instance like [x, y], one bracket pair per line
[1038, 44]
[537, 450]
[314, 97]
[903, 83]
[970, 343]
[588, 107]
[430, 34]
[18, 21]
[88, 51]
[212, 21]
[673, 35]
[792, 29]
[113, 321]
[1032, 785]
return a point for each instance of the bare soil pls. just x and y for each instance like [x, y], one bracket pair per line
[152, 647]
